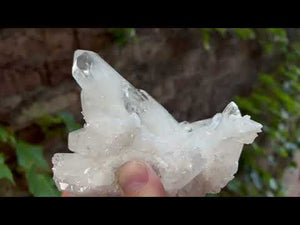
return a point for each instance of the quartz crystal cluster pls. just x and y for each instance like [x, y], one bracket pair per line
[124, 123]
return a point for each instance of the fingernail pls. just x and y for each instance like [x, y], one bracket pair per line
[133, 176]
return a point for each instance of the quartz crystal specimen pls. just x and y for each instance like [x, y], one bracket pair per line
[124, 123]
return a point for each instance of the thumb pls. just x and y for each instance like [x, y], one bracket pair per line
[137, 179]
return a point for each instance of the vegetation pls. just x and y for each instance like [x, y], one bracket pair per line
[274, 102]
[123, 36]
[30, 158]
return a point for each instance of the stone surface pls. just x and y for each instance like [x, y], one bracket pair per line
[124, 123]
[161, 61]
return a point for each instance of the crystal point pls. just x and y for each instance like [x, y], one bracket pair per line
[124, 123]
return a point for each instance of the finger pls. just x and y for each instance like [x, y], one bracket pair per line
[65, 194]
[139, 179]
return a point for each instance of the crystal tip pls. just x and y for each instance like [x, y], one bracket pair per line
[232, 109]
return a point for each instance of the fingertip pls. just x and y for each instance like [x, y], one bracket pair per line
[65, 194]
[138, 179]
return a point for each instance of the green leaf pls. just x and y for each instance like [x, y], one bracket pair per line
[268, 47]
[266, 79]
[234, 185]
[6, 136]
[279, 35]
[247, 105]
[41, 185]
[256, 180]
[282, 152]
[273, 184]
[290, 146]
[3, 134]
[69, 121]
[221, 31]
[123, 35]
[245, 33]
[5, 172]
[47, 120]
[262, 99]
[293, 164]
[206, 38]
[30, 155]
[266, 175]
[285, 98]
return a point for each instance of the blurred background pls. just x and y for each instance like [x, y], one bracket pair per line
[194, 73]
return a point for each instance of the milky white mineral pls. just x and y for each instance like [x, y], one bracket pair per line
[124, 123]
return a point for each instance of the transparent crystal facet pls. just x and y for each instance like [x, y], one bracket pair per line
[125, 123]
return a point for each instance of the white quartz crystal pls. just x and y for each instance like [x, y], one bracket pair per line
[124, 123]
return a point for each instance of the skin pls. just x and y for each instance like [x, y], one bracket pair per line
[137, 179]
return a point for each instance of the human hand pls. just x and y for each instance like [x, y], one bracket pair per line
[137, 179]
